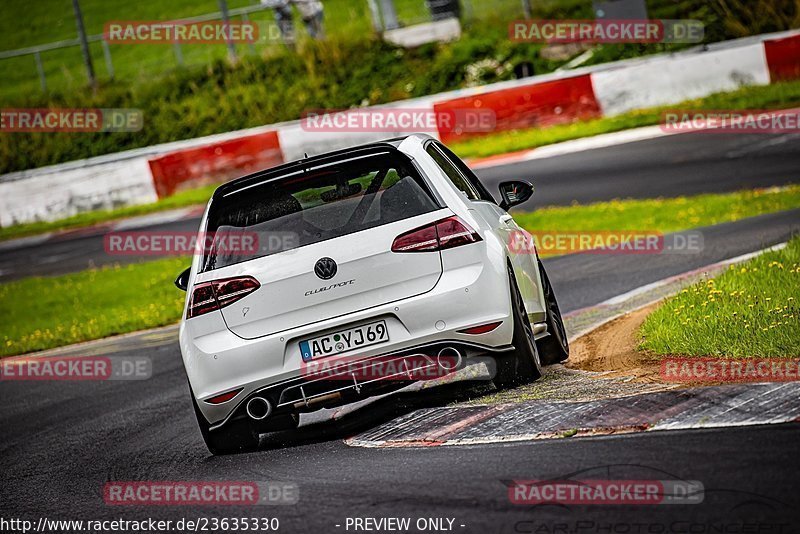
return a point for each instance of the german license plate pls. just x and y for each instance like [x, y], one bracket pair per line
[344, 341]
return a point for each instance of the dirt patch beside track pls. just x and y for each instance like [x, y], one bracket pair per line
[611, 349]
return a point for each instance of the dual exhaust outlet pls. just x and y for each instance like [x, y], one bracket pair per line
[259, 408]
[449, 359]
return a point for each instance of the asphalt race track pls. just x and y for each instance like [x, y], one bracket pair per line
[61, 442]
[684, 164]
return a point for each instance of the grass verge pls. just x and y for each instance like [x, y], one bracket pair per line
[42, 313]
[750, 310]
[777, 96]
[662, 214]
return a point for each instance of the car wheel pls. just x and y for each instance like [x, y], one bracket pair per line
[555, 347]
[235, 436]
[522, 366]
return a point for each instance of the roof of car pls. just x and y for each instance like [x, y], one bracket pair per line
[327, 157]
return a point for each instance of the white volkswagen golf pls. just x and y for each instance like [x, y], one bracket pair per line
[392, 252]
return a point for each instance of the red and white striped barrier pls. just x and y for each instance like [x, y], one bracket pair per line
[143, 175]
[783, 58]
[214, 163]
[531, 105]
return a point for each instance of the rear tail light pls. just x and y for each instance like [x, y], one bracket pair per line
[225, 397]
[482, 329]
[447, 233]
[217, 294]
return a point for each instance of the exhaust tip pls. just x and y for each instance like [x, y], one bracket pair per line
[258, 408]
[449, 359]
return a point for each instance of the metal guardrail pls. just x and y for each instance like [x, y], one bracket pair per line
[238, 12]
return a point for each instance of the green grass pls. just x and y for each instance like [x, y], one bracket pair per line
[42, 21]
[777, 96]
[41, 313]
[181, 199]
[53, 20]
[661, 215]
[750, 310]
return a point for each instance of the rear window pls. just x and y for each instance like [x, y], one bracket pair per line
[316, 205]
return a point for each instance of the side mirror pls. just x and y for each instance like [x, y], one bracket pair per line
[514, 193]
[182, 282]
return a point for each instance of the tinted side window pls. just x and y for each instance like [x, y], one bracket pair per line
[450, 170]
[466, 171]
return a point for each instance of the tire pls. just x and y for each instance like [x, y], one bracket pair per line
[555, 347]
[235, 436]
[523, 365]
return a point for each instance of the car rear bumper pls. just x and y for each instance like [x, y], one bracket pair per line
[350, 381]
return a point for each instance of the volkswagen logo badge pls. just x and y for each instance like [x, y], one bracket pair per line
[325, 268]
